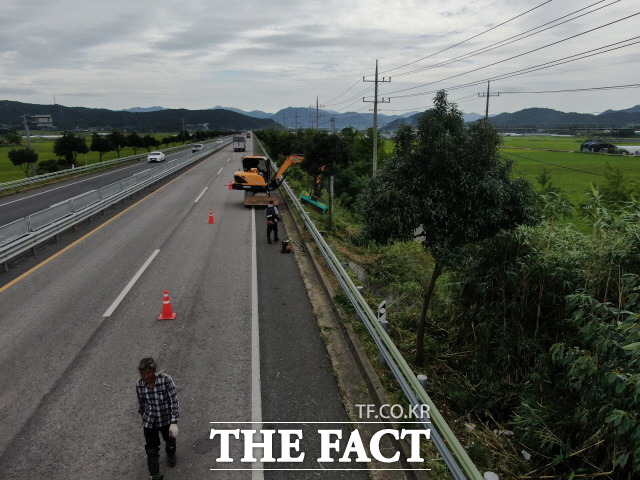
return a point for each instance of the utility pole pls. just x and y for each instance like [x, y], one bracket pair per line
[26, 119]
[317, 112]
[375, 115]
[488, 94]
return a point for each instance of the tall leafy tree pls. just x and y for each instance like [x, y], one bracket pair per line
[150, 142]
[324, 155]
[117, 140]
[68, 146]
[23, 158]
[135, 141]
[101, 144]
[449, 188]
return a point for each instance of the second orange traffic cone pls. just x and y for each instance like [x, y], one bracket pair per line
[167, 312]
[211, 219]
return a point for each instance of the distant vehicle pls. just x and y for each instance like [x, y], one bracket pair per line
[248, 134]
[196, 147]
[239, 144]
[155, 157]
[218, 141]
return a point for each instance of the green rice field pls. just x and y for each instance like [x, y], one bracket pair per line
[572, 172]
[44, 148]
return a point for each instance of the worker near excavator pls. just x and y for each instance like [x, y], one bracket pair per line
[273, 217]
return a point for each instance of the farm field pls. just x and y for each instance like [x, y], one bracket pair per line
[573, 172]
[44, 148]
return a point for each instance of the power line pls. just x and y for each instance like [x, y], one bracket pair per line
[542, 66]
[513, 39]
[612, 87]
[468, 39]
[528, 52]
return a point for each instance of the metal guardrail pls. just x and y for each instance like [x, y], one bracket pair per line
[406, 379]
[23, 182]
[26, 233]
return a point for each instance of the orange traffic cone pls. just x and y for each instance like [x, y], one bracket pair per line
[230, 186]
[211, 219]
[167, 313]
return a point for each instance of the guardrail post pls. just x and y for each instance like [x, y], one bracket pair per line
[360, 289]
[424, 381]
[490, 476]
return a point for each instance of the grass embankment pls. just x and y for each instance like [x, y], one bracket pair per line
[398, 274]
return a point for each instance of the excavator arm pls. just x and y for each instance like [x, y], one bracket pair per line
[278, 178]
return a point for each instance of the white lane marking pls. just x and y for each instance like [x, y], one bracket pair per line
[200, 196]
[131, 283]
[221, 168]
[256, 393]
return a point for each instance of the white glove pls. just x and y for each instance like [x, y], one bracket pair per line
[173, 430]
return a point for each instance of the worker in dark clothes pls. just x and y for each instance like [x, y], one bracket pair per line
[159, 408]
[273, 217]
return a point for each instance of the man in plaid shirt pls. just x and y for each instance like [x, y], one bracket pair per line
[159, 408]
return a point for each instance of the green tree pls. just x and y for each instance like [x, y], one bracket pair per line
[101, 144]
[324, 155]
[68, 146]
[135, 141]
[23, 158]
[452, 188]
[404, 141]
[13, 138]
[150, 142]
[616, 189]
[117, 140]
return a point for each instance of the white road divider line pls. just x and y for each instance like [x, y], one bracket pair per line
[200, 196]
[256, 393]
[220, 171]
[130, 285]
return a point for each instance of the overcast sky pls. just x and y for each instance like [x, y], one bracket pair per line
[269, 55]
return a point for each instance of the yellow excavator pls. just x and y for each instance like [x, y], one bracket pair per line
[255, 178]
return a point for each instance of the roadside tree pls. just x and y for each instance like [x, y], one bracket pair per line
[135, 141]
[117, 140]
[100, 144]
[450, 188]
[150, 142]
[23, 158]
[68, 146]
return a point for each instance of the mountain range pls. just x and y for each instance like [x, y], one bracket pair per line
[228, 118]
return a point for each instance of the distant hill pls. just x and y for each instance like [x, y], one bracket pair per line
[165, 120]
[414, 117]
[218, 118]
[142, 110]
[305, 117]
[546, 118]
[252, 113]
[635, 109]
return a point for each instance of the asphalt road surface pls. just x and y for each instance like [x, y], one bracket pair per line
[244, 348]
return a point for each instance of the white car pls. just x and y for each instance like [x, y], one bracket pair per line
[196, 147]
[155, 157]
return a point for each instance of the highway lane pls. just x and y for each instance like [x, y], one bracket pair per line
[30, 200]
[68, 347]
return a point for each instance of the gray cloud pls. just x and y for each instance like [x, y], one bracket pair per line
[270, 55]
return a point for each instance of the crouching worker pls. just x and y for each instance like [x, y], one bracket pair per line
[159, 408]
